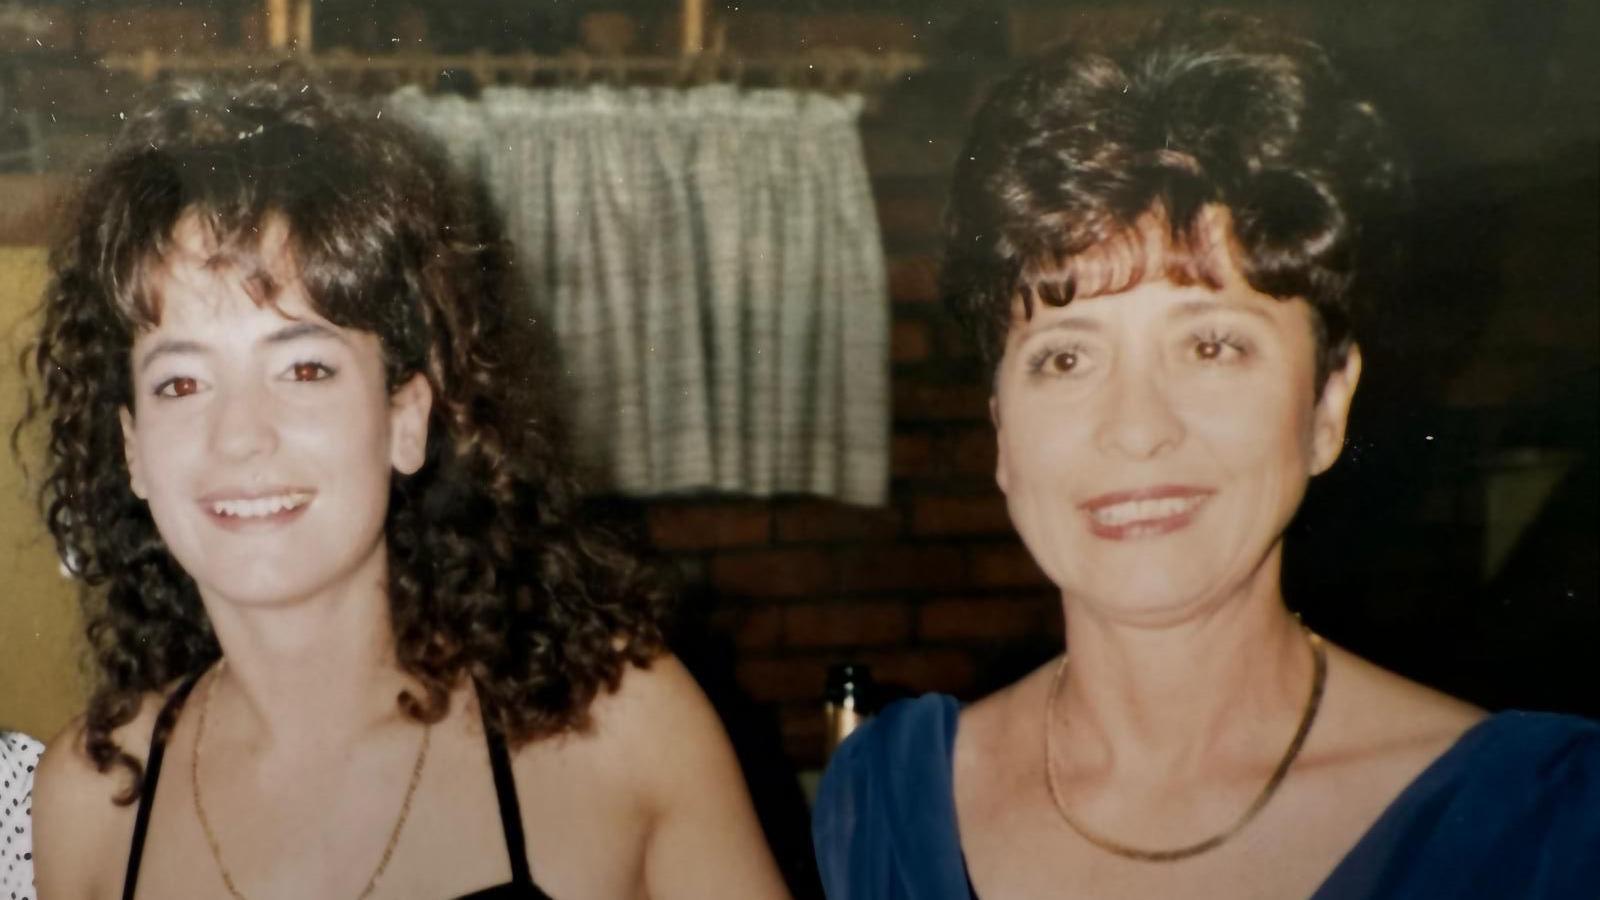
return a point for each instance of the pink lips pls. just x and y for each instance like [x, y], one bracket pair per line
[1146, 512]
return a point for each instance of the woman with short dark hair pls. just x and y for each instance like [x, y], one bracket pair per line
[1157, 246]
[351, 636]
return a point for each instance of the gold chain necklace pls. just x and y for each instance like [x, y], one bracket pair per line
[1318, 680]
[211, 836]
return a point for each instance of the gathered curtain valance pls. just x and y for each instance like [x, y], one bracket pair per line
[710, 264]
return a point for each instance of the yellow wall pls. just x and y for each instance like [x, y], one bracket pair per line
[40, 681]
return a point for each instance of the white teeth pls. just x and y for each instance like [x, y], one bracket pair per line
[1145, 510]
[259, 506]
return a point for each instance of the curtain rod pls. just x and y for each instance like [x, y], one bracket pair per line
[840, 69]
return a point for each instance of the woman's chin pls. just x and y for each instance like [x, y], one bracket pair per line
[258, 596]
[262, 586]
[1148, 602]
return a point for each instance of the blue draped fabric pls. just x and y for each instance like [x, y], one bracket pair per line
[885, 821]
[1511, 810]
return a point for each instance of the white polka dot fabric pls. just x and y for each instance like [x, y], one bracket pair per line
[19, 756]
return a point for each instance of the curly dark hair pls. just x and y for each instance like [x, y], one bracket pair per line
[1075, 156]
[491, 575]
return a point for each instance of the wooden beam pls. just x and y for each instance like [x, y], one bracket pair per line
[816, 69]
[277, 22]
[694, 27]
[302, 26]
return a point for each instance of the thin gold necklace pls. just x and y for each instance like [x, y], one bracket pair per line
[211, 836]
[1318, 680]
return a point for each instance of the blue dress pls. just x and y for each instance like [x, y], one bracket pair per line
[1511, 810]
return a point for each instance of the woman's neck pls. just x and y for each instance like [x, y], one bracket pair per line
[314, 671]
[1173, 700]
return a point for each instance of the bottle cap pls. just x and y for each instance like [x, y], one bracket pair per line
[848, 680]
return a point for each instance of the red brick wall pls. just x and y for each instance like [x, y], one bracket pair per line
[926, 590]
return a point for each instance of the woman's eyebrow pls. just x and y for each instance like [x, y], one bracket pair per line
[1071, 323]
[169, 347]
[298, 330]
[1189, 309]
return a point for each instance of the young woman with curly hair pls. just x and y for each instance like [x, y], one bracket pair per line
[351, 639]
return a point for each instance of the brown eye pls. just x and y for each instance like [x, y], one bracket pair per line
[181, 386]
[1058, 360]
[1208, 350]
[310, 371]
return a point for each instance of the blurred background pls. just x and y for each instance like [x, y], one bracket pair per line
[1457, 541]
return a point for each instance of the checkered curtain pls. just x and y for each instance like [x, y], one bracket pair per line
[710, 263]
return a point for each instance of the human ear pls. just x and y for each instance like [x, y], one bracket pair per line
[1001, 478]
[130, 454]
[1332, 413]
[409, 406]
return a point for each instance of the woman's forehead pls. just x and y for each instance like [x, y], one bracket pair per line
[1197, 266]
[199, 239]
[1202, 251]
[185, 294]
[199, 271]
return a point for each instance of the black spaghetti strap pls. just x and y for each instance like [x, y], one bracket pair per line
[505, 790]
[152, 775]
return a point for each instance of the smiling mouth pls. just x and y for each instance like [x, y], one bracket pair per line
[259, 507]
[1143, 511]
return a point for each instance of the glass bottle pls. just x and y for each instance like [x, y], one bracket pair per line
[846, 701]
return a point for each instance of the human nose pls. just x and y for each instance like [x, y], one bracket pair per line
[1138, 419]
[243, 426]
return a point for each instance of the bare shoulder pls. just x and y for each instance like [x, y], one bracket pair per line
[656, 748]
[999, 730]
[1382, 714]
[648, 695]
[76, 816]
[622, 748]
[651, 702]
[68, 779]
[995, 719]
